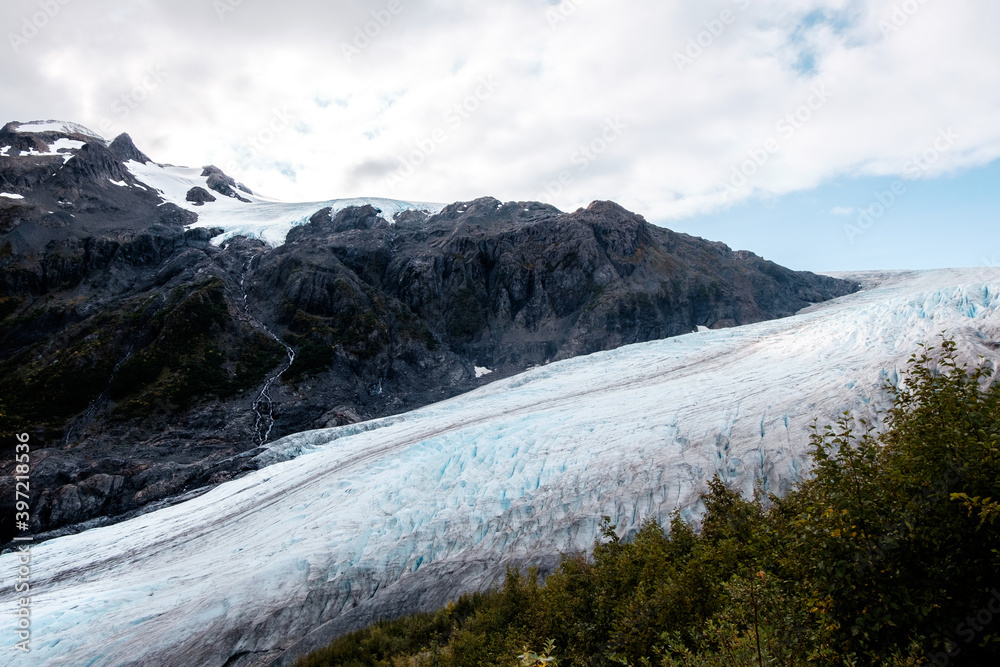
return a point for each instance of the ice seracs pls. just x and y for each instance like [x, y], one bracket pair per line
[350, 523]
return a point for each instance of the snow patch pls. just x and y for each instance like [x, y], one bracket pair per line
[66, 148]
[58, 126]
[480, 372]
[63, 144]
[121, 184]
[10, 195]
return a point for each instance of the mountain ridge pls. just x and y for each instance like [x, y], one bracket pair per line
[149, 349]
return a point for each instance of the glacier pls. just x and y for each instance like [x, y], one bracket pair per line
[343, 525]
[258, 217]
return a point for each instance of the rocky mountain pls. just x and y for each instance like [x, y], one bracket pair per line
[160, 323]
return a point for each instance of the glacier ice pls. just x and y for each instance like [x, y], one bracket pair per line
[259, 217]
[348, 523]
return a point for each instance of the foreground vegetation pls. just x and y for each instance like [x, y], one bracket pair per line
[889, 555]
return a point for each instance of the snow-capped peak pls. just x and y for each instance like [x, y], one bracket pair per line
[218, 200]
[251, 215]
[58, 126]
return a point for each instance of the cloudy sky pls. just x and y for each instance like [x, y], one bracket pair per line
[823, 134]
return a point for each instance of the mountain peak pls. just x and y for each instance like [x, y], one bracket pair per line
[125, 150]
[95, 163]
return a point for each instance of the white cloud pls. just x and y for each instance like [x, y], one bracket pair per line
[687, 130]
[843, 210]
